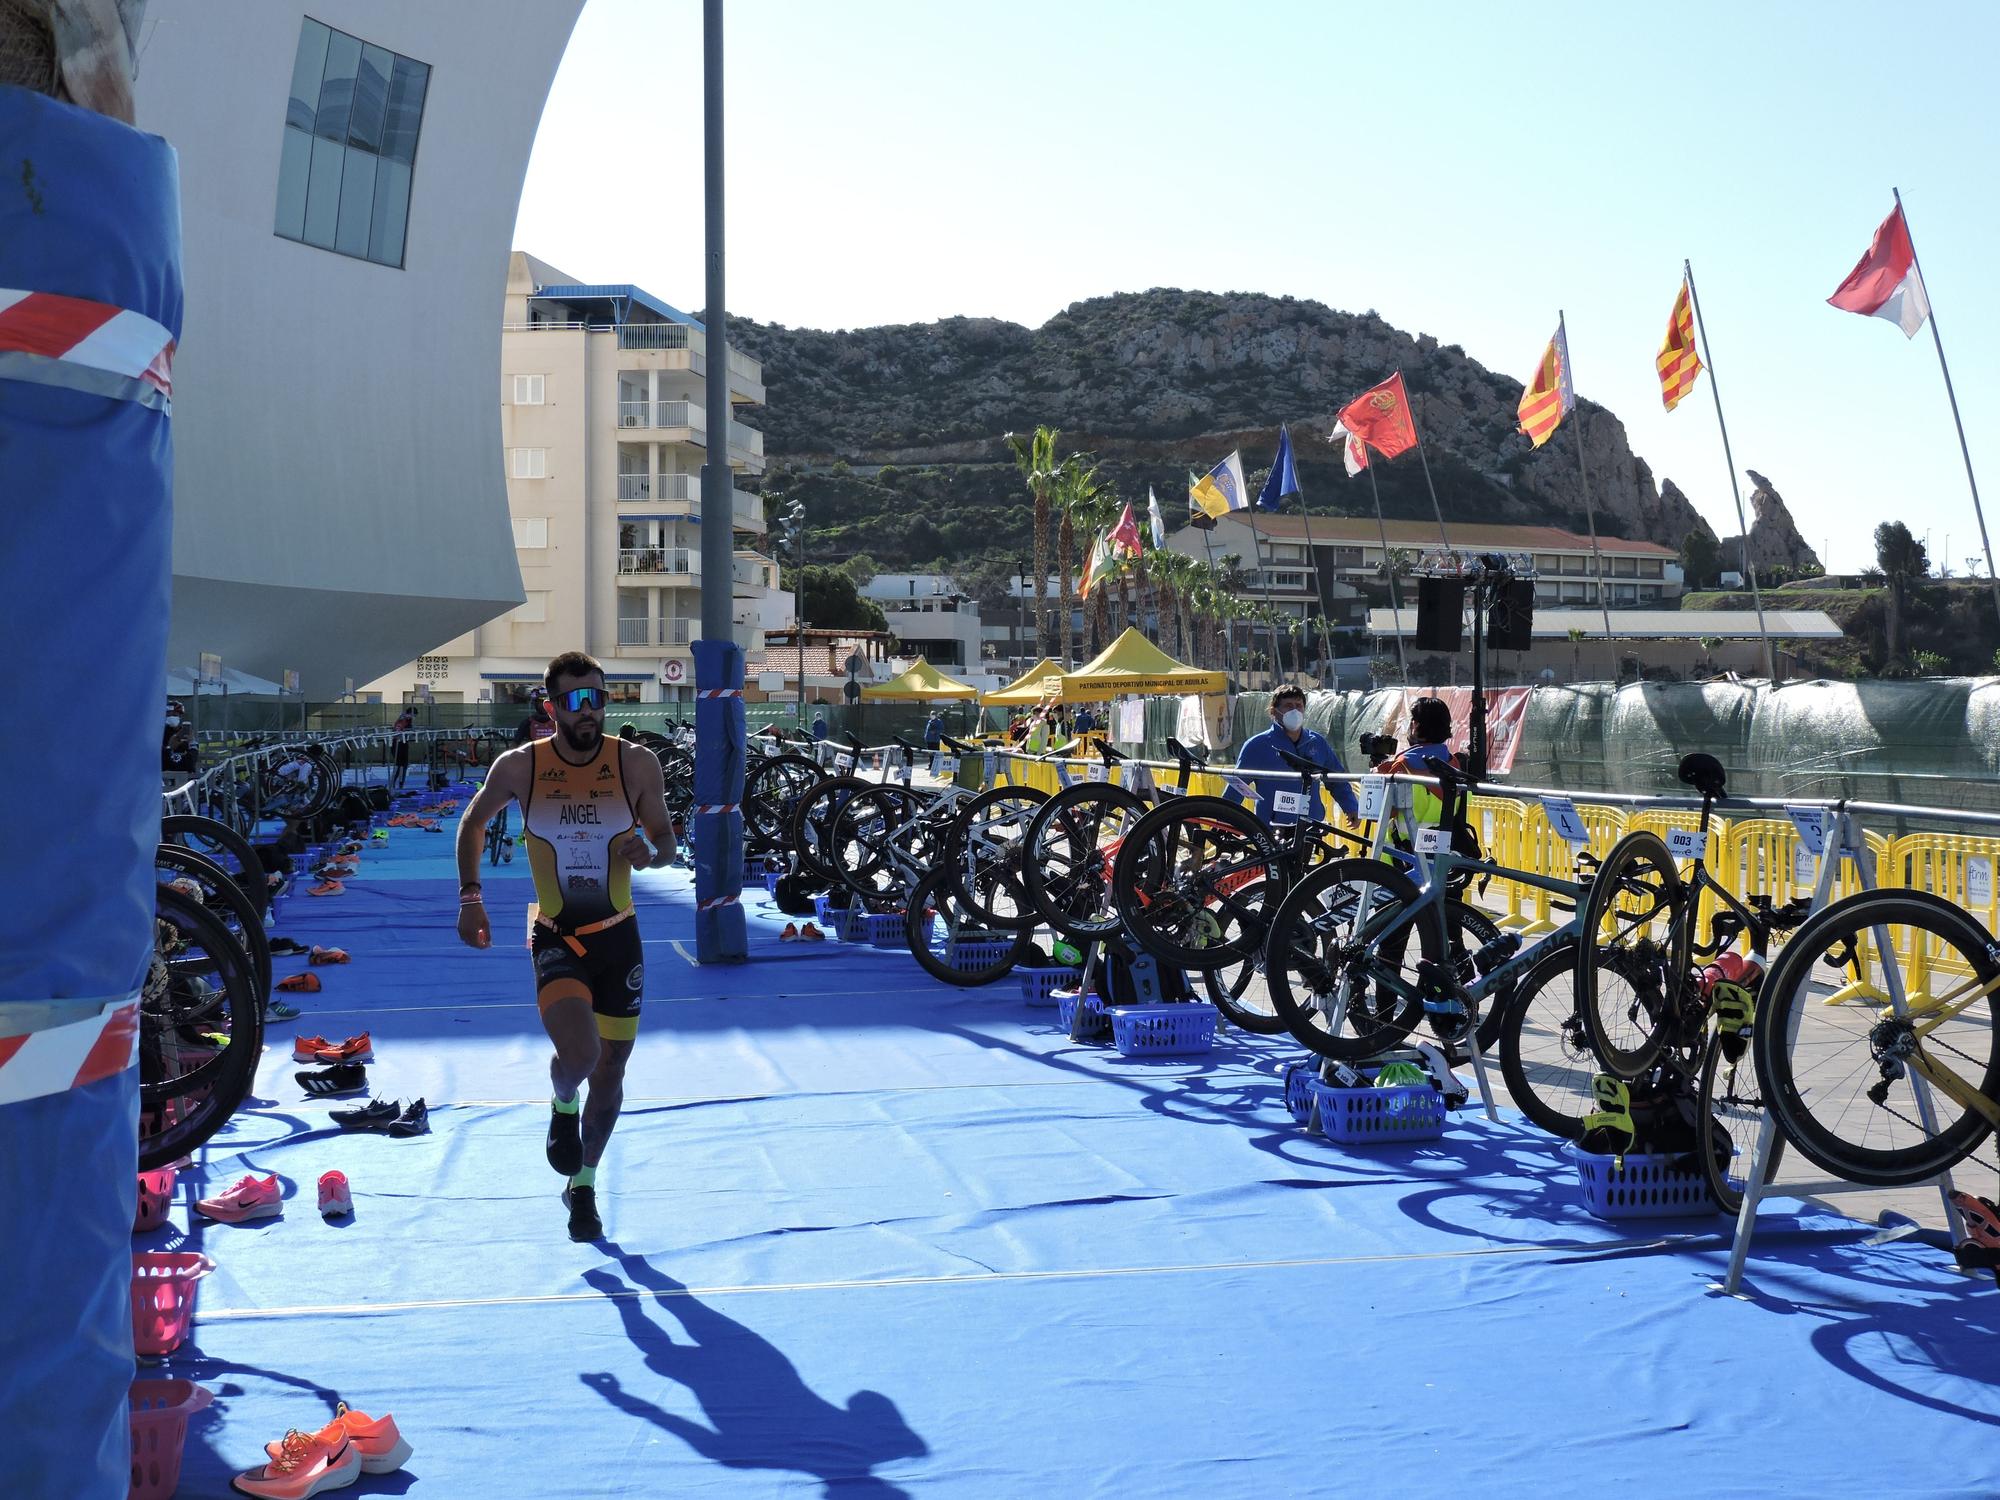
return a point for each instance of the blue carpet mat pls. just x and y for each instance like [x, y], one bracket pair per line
[869, 1235]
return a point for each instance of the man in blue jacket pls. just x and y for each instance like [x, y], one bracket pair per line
[1288, 732]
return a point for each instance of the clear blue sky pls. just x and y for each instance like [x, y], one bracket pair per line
[1463, 169]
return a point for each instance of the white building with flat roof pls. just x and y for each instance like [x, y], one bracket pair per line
[350, 173]
[603, 435]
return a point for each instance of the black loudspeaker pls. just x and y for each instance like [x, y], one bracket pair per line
[1440, 614]
[1510, 618]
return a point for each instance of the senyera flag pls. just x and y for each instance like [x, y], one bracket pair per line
[1380, 417]
[1886, 282]
[1549, 396]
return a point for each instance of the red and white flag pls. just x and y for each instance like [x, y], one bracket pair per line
[1353, 452]
[1886, 283]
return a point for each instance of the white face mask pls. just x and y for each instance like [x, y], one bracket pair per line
[1293, 721]
[173, 721]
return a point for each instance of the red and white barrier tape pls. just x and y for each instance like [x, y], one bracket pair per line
[61, 1058]
[717, 807]
[719, 693]
[86, 346]
[714, 901]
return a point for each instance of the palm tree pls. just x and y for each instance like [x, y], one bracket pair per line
[1035, 457]
[1081, 497]
[1903, 561]
[1575, 654]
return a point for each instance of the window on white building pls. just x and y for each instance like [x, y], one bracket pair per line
[531, 531]
[534, 610]
[528, 390]
[530, 463]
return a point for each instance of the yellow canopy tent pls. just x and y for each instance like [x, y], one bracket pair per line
[920, 683]
[1027, 690]
[1130, 665]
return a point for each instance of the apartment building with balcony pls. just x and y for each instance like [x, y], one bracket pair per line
[605, 433]
[1346, 552]
[929, 616]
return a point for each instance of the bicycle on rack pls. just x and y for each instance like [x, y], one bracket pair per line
[1656, 998]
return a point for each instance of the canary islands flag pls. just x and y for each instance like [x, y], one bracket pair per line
[1221, 489]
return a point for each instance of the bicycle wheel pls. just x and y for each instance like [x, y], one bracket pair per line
[1625, 992]
[865, 836]
[1545, 1056]
[1733, 1100]
[951, 941]
[1071, 844]
[219, 842]
[811, 825]
[201, 1028]
[496, 836]
[224, 899]
[771, 791]
[1338, 966]
[988, 846]
[1177, 879]
[1834, 1058]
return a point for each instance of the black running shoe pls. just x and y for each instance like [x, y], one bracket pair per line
[584, 1225]
[376, 1114]
[416, 1120]
[564, 1147]
[287, 945]
[327, 1083]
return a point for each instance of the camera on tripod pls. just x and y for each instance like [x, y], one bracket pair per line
[1378, 747]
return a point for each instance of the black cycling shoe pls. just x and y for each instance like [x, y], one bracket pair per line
[564, 1147]
[584, 1225]
[416, 1120]
[341, 1078]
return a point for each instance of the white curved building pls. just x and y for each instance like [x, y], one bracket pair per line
[349, 178]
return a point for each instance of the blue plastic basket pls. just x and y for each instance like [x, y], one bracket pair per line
[1299, 1079]
[1163, 1030]
[886, 929]
[1373, 1116]
[1096, 1023]
[1039, 986]
[968, 954]
[1640, 1185]
[771, 879]
[825, 910]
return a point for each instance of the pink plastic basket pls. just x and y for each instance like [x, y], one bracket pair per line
[156, 1191]
[160, 1412]
[163, 1293]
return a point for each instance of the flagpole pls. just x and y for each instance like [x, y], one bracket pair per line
[1389, 565]
[1735, 488]
[1952, 396]
[1436, 509]
[1589, 511]
[1312, 563]
[1264, 566]
[1208, 545]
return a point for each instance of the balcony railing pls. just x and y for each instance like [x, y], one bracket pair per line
[747, 438]
[642, 413]
[659, 487]
[748, 509]
[662, 632]
[635, 632]
[656, 336]
[673, 561]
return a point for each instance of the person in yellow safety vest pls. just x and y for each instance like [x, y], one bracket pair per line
[1430, 747]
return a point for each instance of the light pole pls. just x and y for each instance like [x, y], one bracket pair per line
[1021, 568]
[794, 519]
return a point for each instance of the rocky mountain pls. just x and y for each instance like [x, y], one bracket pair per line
[893, 435]
[1775, 541]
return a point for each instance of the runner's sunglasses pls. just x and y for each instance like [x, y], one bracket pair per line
[578, 698]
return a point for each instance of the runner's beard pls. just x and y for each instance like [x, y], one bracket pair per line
[582, 739]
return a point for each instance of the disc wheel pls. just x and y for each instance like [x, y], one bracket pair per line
[1837, 1061]
[1072, 843]
[1627, 992]
[1178, 882]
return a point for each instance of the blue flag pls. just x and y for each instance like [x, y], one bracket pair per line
[1284, 478]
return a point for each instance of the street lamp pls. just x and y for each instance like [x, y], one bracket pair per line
[1020, 607]
[794, 519]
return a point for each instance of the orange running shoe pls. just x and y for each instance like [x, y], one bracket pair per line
[327, 888]
[383, 1449]
[810, 933]
[306, 1463]
[306, 1048]
[304, 984]
[790, 934]
[320, 955]
[354, 1049]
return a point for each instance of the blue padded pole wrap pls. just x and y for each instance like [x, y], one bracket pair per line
[90, 211]
[717, 835]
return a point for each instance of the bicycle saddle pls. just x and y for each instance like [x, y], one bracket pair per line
[1298, 762]
[1111, 757]
[1704, 773]
[1187, 755]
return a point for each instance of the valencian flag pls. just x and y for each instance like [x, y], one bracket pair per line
[1887, 283]
[1678, 364]
[1380, 418]
[1353, 452]
[1549, 397]
[1220, 490]
[1118, 545]
[1284, 478]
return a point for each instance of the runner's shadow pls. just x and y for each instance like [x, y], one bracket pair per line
[761, 1413]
